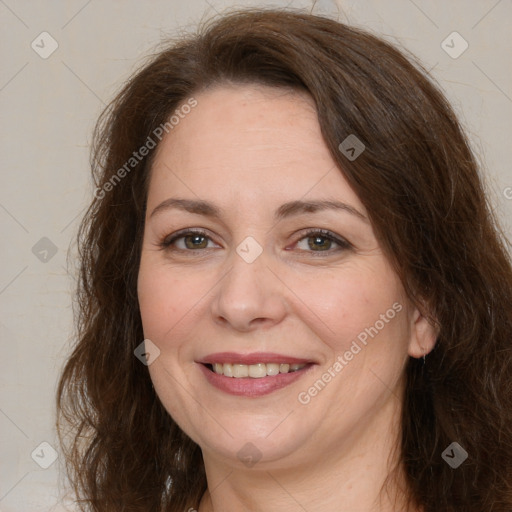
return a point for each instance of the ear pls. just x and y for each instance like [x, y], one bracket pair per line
[423, 335]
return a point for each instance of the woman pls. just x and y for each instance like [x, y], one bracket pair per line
[293, 293]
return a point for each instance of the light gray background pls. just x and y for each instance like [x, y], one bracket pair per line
[48, 109]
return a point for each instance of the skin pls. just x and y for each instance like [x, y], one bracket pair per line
[248, 149]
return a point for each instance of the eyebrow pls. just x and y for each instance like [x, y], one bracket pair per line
[289, 209]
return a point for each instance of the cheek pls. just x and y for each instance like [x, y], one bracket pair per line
[163, 297]
[349, 301]
[173, 304]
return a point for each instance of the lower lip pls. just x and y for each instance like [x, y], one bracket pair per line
[248, 386]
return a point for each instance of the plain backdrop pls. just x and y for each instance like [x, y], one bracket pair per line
[49, 104]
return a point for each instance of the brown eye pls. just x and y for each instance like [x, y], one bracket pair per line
[192, 240]
[195, 241]
[322, 241]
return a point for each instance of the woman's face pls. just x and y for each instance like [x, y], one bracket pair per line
[258, 286]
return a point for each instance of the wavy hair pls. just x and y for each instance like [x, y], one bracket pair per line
[422, 188]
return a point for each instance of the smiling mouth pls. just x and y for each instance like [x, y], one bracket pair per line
[254, 371]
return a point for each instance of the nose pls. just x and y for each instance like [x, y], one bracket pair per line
[249, 296]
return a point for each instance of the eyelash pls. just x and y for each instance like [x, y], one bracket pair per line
[166, 243]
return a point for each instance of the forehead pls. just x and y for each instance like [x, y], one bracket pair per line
[248, 141]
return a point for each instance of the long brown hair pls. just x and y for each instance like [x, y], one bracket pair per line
[420, 184]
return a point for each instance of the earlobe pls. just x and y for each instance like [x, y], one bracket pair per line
[423, 336]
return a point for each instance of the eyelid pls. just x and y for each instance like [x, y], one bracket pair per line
[182, 233]
[343, 244]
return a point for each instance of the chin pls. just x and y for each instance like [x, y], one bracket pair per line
[255, 440]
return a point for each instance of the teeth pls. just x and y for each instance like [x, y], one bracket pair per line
[227, 369]
[240, 370]
[272, 368]
[255, 371]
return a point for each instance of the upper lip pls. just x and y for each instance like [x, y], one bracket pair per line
[252, 358]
